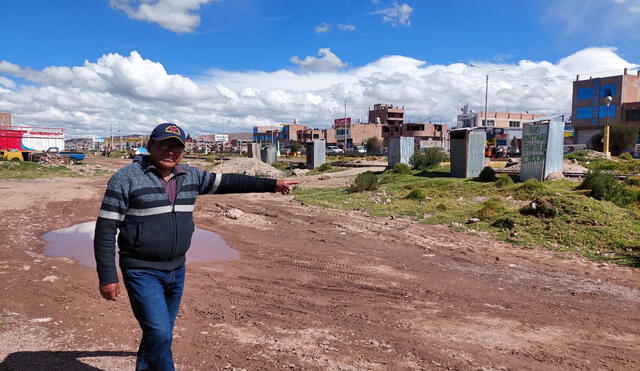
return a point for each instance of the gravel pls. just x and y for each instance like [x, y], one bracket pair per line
[248, 166]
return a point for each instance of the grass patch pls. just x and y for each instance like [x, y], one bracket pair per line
[32, 170]
[571, 221]
[625, 164]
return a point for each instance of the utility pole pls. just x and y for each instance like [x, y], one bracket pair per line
[345, 124]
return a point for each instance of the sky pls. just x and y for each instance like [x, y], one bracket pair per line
[228, 65]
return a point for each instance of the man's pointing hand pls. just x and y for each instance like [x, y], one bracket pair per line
[285, 186]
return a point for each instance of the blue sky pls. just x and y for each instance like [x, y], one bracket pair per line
[221, 48]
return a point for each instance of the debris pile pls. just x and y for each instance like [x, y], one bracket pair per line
[247, 166]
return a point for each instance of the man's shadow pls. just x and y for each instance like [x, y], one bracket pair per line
[56, 360]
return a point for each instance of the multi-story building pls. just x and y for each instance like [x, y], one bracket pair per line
[511, 120]
[357, 134]
[631, 113]
[5, 119]
[421, 131]
[589, 109]
[386, 114]
[307, 135]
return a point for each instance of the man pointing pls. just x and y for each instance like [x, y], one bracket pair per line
[151, 203]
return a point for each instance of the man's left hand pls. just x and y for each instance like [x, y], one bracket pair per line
[285, 186]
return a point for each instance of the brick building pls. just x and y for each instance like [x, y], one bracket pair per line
[589, 110]
[386, 114]
[5, 119]
[513, 120]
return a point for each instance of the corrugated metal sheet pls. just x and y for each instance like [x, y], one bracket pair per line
[316, 154]
[400, 150]
[467, 152]
[475, 152]
[542, 149]
[268, 155]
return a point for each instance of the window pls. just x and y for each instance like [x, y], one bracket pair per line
[603, 111]
[632, 115]
[489, 123]
[514, 124]
[583, 113]
[584, 93]
[608, 91]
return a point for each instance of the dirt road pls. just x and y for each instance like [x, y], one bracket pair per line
[315, 289]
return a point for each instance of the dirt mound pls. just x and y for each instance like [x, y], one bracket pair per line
[248, 166]
[568, 166]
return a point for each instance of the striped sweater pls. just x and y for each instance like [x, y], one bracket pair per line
[153, 232]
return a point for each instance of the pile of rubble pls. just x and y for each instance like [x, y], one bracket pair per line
[247, 166]
[50, 159]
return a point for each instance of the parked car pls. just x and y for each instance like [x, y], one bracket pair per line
[334, 150]
[360, 150]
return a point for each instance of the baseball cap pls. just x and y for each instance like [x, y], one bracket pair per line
[166, 131]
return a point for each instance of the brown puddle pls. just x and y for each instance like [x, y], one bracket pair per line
[77, 242]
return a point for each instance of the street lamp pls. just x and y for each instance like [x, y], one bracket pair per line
[486, 89]
[607, 101]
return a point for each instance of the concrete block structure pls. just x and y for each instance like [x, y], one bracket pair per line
[400, 150]
[316, 154]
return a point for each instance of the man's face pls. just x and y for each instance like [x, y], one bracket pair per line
[166, 153]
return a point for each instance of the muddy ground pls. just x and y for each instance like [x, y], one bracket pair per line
[315, 289]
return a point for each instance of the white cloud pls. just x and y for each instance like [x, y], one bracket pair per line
[346, 27]
[322, 28]
[179, 16]
[327, 61]
[595, 20]
[397, 14]
[135, 93]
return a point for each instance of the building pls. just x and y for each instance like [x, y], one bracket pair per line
[289, 132]
[5, 119]
[307, 135]
[589, 110]
[386, 114]
[420, 131]
[265, 134]
[631, 113]
[357, 134]
[513, 120]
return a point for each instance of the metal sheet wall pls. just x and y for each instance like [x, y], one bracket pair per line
[400, 150]
[268, 155]
[467, 152]
[542, 150]
[475, 153]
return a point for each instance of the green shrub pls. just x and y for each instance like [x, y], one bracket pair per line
[626, 156]
[416, 194]
[324, 167]
[532, 188]
[487, 175]
[373, 145]
[504, 223]
[427, 159]
[632, 181]
[296, 147]
[504, 181]
[367, 181]
[402, 169]
[491, 209]
[442, 207]
[605, 186]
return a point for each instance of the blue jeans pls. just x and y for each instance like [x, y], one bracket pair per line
[155, 299]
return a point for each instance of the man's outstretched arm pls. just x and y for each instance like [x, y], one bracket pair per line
[112, 212]
[238, 183]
